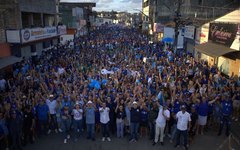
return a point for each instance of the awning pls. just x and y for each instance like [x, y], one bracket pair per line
[213, 50]
[6, 61]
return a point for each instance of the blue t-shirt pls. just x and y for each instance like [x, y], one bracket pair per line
[176, 107]
[203, 108]
[42, 112]
[90, 115]
[144, 115]
[227, 107]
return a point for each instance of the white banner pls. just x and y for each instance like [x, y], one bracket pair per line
[61, 30]
[201, 35]
[29, 35]
[189, 32]
[13, 36]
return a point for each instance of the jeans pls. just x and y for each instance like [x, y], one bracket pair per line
[66, 125]
[134, 130]
[184, 134]
[16, 140]
[225, 120]
[105, 129]
[77, 125]
[174, 131]
[53, 122]
[91, 130]
[42, 127]
[152, 129]
[120, 126]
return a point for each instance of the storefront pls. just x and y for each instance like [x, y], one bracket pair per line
[222, 48]
[31, 42]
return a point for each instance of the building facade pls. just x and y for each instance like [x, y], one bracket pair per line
[78, 17]
[218, 43]
[27, 29]
[194, 12]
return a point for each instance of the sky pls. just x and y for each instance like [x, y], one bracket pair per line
[116, 5]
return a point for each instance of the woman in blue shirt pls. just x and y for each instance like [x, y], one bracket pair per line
[203, 108]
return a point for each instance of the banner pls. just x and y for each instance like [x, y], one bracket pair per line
[201, 35]
[189, 32]
[61, 30]
[29, 35]
[13, 36]
[222, 33]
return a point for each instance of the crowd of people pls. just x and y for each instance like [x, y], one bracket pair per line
[115, 82]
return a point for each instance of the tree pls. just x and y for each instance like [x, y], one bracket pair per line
[174, 6]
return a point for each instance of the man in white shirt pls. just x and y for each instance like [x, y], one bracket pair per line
[52, 105]
[163, 116]
[183, 125]
[104, 119]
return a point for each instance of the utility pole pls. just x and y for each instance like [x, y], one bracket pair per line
[177, 21]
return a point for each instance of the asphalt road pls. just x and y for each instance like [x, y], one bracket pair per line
[209, 141]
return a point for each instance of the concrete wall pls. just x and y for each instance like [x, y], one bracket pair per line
[40, 6]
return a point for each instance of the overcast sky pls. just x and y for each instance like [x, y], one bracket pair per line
[116, 5]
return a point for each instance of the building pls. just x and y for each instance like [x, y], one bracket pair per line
[78, 17]
[99, 21]
[27, 29]
[199, 24]
[159, 13]
[218, 43]
[107, 14]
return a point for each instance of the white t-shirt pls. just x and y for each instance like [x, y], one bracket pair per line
[77, 114]
[52, 106]
[104, 115]
[161, 120]
[182, 120]
[61, 70]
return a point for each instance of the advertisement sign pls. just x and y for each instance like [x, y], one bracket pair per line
[29, 35]
[61, 30]
[158, 27]
[222, 33]
[201, 35]
[189, 32]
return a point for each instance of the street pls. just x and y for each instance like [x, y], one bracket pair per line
[55, 142]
